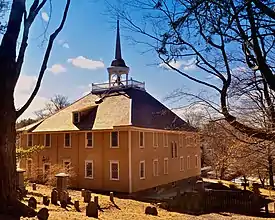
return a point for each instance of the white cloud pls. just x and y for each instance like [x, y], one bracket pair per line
[180, 64]
[45, 16]
[23, 89]
[86, 63]
[63, 44]
[57, 68]
[66, 45]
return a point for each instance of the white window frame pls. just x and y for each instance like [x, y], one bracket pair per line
[86, 140]
[165, 169]
[28, 138]
[114, 162]
[111, 146]
[70, 146]
[196, 161]
[142, 177]
[165, 140]
[181, 141]
[176, 150]
[86, 162]
[157, 139]
[45, 140]
[181, 163]
[188, 162]
[172, 149]
[143, 141]
[156, 169]
[78, 115]
[66, 160]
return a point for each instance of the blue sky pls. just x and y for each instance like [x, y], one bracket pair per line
[81, 54]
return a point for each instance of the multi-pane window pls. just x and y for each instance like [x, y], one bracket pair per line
[197, 161]
[155, 139]
[30, 140]
[76, 117]
[67, 140]
[66, 164]
[114, 139]
[176, 149]
[142, 169]
[172, 149]
[155, 167]
[165, 171]
[188, 162]
[181, 140]
[89, 139]
[114, 170]
[165, 140]
[181, 163]
[141, 139]
[89, 169]
[47, 140]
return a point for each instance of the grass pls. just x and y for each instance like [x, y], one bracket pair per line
[129, 209]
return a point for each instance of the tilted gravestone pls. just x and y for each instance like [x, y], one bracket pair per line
[54, 197]
[32, 203]
[92, 210]
[43, 214]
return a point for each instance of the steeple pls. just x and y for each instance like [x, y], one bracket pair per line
[118, 61]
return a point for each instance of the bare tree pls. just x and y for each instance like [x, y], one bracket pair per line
[56, 103]
[11, 61]
[221, 38]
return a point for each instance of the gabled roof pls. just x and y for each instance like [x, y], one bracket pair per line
[128, 107]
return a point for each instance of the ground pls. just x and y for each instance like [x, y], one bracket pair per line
[129, 209]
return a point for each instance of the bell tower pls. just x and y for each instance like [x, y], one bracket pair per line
[118, 71]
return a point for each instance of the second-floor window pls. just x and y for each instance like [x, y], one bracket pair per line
[67, 140]
[172, 149]
[141, 139]
[165, 140]
[175, 149]
[30, 140]
[89, 139]
[114, 139]
[47, 140]
[155, 139]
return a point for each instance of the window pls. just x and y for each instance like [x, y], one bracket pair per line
[89, 139]
[29, 167]
[76, 117]
[114, 170]
[181, 141]
[47, 140]
[181, 163]
[155, 139]
[67, 164]
[142, 169]
[165, 171]
[46, 170]
[141, 139]
[155, 167]
[176, 149]
[89, 169]
[30, 140]
[188, 162]
[172, 149]
[197, 161]
[114, 139]
[165, 140]
[67, 140]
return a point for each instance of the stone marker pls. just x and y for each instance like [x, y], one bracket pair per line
[32, 203]
[34, 186]
[83, 191]
[112, 197]
[76, 205]
[151, 210]
[61, 183]
[92, 210]
[69, 200]
[46, 200]
[87, 196]
[43, 214]
[96, 200]
[54, 197]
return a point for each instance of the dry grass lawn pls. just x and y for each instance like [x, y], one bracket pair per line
[130, 209]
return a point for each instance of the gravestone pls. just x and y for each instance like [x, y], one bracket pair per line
[151, 210]
[69, 200]
[61, 183]
[92, 210]
[43, 214]
[63, 204]
[32, 203]
[20, 181]
[112, 197]
[96, 200]
[34, 186]
[83, 191]
[46, 200]
[64, 196]
[54, 197]
[87, 196]
[76, 205]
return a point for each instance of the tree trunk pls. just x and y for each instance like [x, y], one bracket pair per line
[7, 142]
[270, 171]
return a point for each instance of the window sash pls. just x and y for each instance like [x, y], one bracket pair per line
[89, 139]
[47, 140]
[165, 140]
[155, 139]
[142, 170]
[114, 171]
[172, 149]
[114, 139]
[188, 162]
[30, 140]
[89, 169]
[181, 164]
[165, 166]
[176, 149]
[155, 167]
[141, 139]
[67, 139]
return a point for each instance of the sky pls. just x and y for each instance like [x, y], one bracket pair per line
[83, 51]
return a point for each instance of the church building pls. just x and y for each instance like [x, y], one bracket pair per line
[118, 137]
